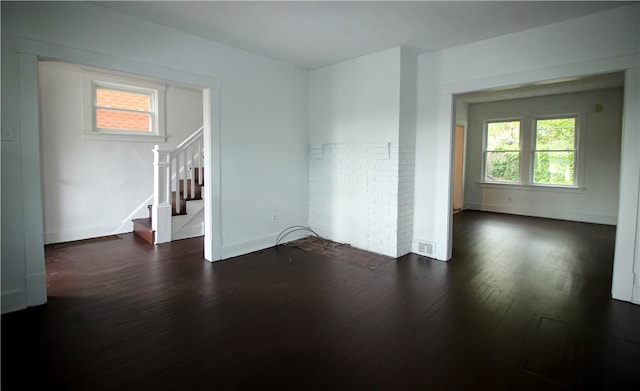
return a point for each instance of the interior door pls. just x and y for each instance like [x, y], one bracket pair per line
[458, 166]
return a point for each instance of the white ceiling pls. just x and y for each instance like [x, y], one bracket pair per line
[311, 34]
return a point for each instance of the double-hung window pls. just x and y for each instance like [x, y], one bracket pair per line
[118, 108]
[554, 154]
[539, 152]
[502, 151]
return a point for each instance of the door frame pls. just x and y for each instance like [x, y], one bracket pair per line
[29, 54]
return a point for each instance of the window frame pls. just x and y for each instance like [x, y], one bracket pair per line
[94, 80]
[534, 139]
[527, 151]
[485, 136]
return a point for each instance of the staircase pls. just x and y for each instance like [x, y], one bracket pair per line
[179, 178]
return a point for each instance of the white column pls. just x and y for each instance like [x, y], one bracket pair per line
[626, 264]
[212, 176]
[36, 285]
[161, 209]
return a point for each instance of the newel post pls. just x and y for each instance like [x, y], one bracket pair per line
[161, 209]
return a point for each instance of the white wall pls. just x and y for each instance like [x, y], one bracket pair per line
[356, 101]
[599, 165]
[354, 110]
[599, 43]
[95, 187]
[262, 119]
[407, 152]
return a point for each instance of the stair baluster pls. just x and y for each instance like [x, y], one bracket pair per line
[174, 184]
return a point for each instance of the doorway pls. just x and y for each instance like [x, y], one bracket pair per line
[458, 169]
[30, 53]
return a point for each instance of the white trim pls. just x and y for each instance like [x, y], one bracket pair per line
[29, 52]
[531, 187]
[626, 264]
[628, 63]
[36, 285]
[256, 244]
[530, 76]
[155, 90]
[13, 300]
[112, 63]
[31, 179]
[189, 232]
[548, 213]
[115, 228]
[123, 136]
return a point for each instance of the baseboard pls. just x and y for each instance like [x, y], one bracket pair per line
[257, 244]
[88, 232]
[622, 286]
[36, 289]
[112, 228]
[189, 232]
[13, 300]
[550, 214]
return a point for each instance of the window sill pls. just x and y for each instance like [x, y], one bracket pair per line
[528, 187]
[109, 136]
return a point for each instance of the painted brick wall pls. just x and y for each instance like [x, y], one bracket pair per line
[406, 179]
[362, 194]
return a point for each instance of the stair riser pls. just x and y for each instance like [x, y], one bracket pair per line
[144, 231]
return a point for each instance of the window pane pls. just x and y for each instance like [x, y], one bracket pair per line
[122, 100]
[554, 168]
[122, 120]
[502, 166]
[503, 136]
[555, 134]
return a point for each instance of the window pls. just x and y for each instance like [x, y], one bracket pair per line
[540, 152]
[123, 109]
[554, 152]
[502, 152]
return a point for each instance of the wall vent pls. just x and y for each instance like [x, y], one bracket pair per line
[427, 248]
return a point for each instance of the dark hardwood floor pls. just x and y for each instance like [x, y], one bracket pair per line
[524, 303]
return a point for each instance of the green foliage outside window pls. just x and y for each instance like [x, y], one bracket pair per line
[502, 159]
[554, 155]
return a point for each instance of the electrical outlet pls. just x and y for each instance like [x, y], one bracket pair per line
[274, 217]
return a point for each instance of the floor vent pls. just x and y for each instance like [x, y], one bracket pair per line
[426, 248]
